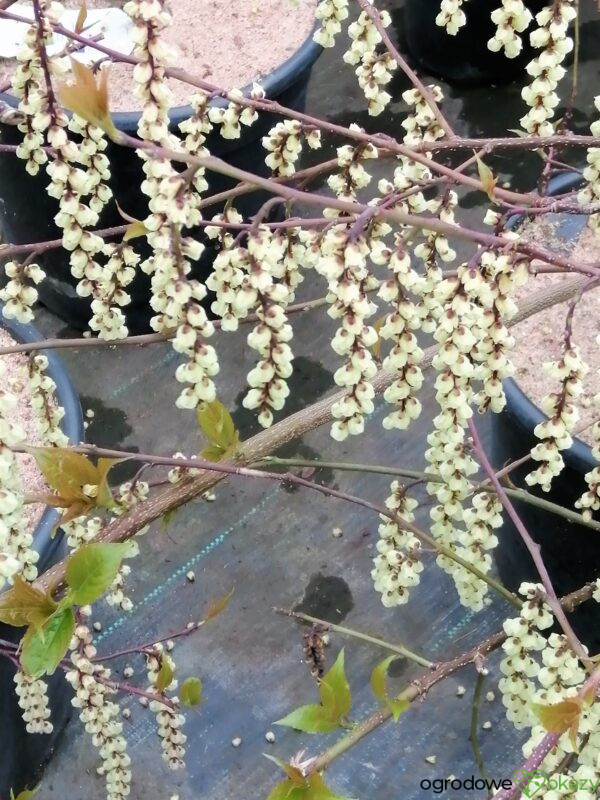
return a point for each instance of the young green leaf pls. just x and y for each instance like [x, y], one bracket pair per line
[81, 18]
[336, 701]
[190, 693]
[43, 649]
[218, 606]
[25, 794]
[336, 698]
[560, 717]
[88, 98]
[294, 774]
[217, 425]
[486, 176]
[309, 719]
[65, 471]
[104, 498]
[91, 570]
[165, 676]
[397, 705]
[25, 605]
[311, 787]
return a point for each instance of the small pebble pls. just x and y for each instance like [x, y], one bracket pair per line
[486, 725]
[431, 759]
[336, 533]
[270, 737]
[174, 797]
[237, 741]
[90, 413]
[325, 639]
[97, 626]
[209, 496]
[128, 671]
[86, 425]
[191, 576]
[460, 691]
[490, 697]
[144, 701]
[170, 645]
[126, 713]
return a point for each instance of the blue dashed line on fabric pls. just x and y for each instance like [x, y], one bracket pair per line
[184, 568]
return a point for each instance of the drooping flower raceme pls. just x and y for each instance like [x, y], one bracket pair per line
[511, 20]
[553, 39]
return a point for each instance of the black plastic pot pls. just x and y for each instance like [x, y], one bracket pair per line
[27, 212]
[571, 552]
[23, 755]
[465, 58]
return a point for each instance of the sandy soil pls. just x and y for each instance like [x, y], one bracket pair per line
[227, 42]
[14, 378]
[540, 338]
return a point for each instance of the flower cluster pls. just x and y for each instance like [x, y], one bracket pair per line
[448, 453]
[352, 176]
[518, 666]
[374, 70]
[18, 295]
[331, 13]
[198, 125]
[48, 412]
[405, 355]
[169, 720]
[546, 69]
[92, 157]
[99, 714]
[81, 530]
[561, 408]
[32, 696]
[560, 672]
[397, 565]
[421, 125]
[108, 291]
[344, 264]
[235, 114]
[474, 545]
[16, 553]
[590, 193]
[284, 144]
[511, 19]
[270, 336]
[490, 286]
[451, 16]
[590, 499]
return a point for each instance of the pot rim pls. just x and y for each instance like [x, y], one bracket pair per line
[274, 83]
[579, 456]
[71, 424]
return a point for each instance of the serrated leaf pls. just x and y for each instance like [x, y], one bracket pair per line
[43, 649]
[486, 176]
[217, 425]
[92, 569]
[65, 471]
[309, 719]
[165, 676]
[24, 605]
[218, 606]
[334, 689]
[81, 18]
[88, 97]
[190, 693]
